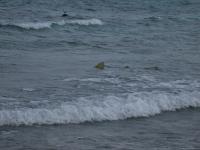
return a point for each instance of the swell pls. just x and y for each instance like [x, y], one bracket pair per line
[50, 24]
[143, 104]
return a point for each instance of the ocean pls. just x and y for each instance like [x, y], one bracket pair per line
[147, 97]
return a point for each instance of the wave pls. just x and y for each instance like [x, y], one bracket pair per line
[49, 24]
[28, 89]
[97, 80]
[101, 108]
[153, 18]
[86, 22]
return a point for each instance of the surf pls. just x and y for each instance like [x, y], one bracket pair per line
[50, 24]
[102, 108]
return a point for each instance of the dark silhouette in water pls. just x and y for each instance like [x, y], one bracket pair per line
[64, 14]
[126, 67]
[153, 68]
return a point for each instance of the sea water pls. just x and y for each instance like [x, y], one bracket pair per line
[146, 97]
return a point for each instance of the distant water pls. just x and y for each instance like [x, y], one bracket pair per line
[52, 96]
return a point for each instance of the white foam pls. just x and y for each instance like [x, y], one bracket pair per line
[49, 24]
[37, 25]
[110, 80]
[86, 22]
[83, 79]
[28, 89]
[181, 84]
[141, 104]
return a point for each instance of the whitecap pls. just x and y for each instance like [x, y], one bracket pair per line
[109, 80]
[86, 22]
[49, 24]
[28, 89]
[141, 104]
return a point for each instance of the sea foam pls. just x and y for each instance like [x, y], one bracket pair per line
[100, 108]
[49, 24]
[97, 80]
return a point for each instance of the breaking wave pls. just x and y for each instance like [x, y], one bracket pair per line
[97, 80]
[49, 24]
[101, 108]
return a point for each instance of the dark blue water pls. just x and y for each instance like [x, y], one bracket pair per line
[146, 97]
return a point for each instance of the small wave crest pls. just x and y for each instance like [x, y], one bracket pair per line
[86, 22]
[101, 108]
[49, 24]
[28, 89]
[97, 80]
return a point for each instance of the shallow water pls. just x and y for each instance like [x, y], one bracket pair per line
[47, 74]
